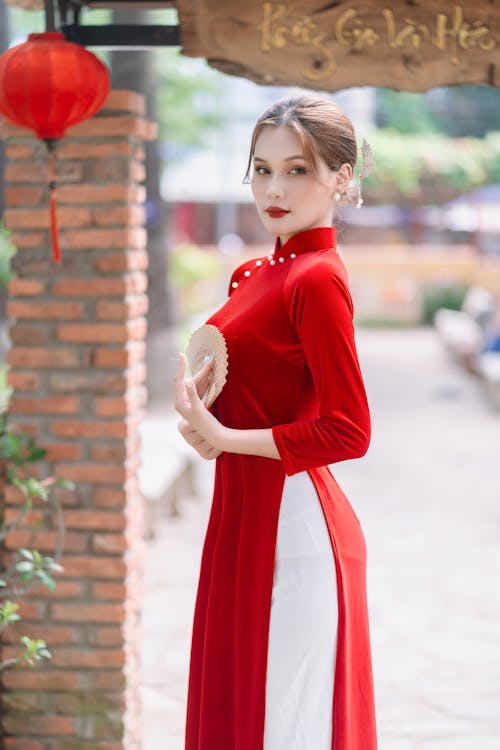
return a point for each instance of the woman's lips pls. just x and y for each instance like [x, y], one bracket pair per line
[276, 213]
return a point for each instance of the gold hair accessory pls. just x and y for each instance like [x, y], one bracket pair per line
[368, 165]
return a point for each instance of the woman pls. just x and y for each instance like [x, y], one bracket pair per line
[280, 656]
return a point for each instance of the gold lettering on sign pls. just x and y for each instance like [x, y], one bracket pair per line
[350, 32]
[299, 29]
[449, 33]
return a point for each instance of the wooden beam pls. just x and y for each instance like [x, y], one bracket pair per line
[334, 45]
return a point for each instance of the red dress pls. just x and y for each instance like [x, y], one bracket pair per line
[293, 367]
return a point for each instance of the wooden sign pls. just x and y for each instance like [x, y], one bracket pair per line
[328, 46]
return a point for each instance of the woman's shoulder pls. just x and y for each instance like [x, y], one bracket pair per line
[311, 269]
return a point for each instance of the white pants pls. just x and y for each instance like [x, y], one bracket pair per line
[303, 626]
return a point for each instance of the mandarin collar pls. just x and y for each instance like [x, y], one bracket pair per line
[318, 238]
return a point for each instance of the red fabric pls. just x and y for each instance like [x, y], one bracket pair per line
[293, 367]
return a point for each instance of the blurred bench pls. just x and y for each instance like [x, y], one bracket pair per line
[464, 331]
[167, 470]
[488, 368]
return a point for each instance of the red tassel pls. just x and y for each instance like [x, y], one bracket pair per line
[56, 250]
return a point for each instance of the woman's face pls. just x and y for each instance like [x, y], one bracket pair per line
[282, 179]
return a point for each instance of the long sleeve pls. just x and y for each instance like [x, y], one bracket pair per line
[321, 311]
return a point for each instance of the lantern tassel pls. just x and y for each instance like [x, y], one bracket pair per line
[56, 250]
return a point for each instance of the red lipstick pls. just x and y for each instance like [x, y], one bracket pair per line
[275, 212]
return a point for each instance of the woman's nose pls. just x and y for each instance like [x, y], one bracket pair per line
[274, 188]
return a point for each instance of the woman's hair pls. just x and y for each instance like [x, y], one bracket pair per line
[324, 129]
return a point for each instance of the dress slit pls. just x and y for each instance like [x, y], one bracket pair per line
[303, 625]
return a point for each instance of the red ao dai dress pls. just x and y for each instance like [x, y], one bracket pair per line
[280, 653]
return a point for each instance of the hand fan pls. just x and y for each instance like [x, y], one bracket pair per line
[205, 342]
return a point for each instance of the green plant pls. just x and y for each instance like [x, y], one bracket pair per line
[29, 567]
[441, 295]
[7, 250]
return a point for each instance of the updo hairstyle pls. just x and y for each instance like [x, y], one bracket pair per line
[324, 130]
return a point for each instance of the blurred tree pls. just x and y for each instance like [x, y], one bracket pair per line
[404, 111]
[453, 110]
[171, 100]
[465, 110]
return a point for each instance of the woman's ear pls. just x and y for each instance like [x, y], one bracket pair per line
[344, 176]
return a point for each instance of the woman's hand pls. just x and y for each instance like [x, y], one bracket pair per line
[198, 426]
[193, 438]
[203, 377]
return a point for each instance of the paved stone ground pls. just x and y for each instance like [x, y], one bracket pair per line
[428, 497]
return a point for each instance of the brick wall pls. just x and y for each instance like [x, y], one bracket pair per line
[77, 365]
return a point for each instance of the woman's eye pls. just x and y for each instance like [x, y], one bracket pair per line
[298, 170]
[261, 170]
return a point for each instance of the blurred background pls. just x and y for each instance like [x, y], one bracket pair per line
[423, 256]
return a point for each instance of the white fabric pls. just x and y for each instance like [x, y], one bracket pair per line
[303, 626]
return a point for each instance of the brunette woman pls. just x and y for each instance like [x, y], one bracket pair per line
[280, 656]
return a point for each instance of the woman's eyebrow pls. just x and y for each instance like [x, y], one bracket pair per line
[288, 158]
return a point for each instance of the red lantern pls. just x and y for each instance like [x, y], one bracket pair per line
[48, 84]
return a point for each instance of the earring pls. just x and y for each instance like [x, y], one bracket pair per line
[336, 195]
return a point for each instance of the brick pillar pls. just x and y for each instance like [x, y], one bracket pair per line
[77, 365]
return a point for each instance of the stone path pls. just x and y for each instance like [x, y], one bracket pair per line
[428, 497]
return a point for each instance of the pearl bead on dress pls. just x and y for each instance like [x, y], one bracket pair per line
[258, 263]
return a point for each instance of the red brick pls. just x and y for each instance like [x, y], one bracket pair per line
[45, 405]
[31, 218]
[115, 126]
[121, 406]
[99, 333]
[26, 287]
[52, 634]
[19, 151]
[111, 591]
[45, 540]
[93, 567]
[23, 381]
[114, 170]
[109, 680]
[104, 497]
[15, 743]
[29, 427]
[38, 725]
[93, 473]
[88, 381]
[63, 451]
[83, 239]
[107, 636]
[109, 544]
[132, 260]
[108, 452]
[97, 429]
[113, 613]
[47, 310]
[48, 680]
[94, 519]
[24, 195]
[90, 287]
[44, 358]
[98, 194]
[133, 215]
[29, 240]
[119, 100]
[87, 658]
[32, 610]
[131, 308]
[88, 150]
[26, 172]
[134, 352]
[30, 335]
